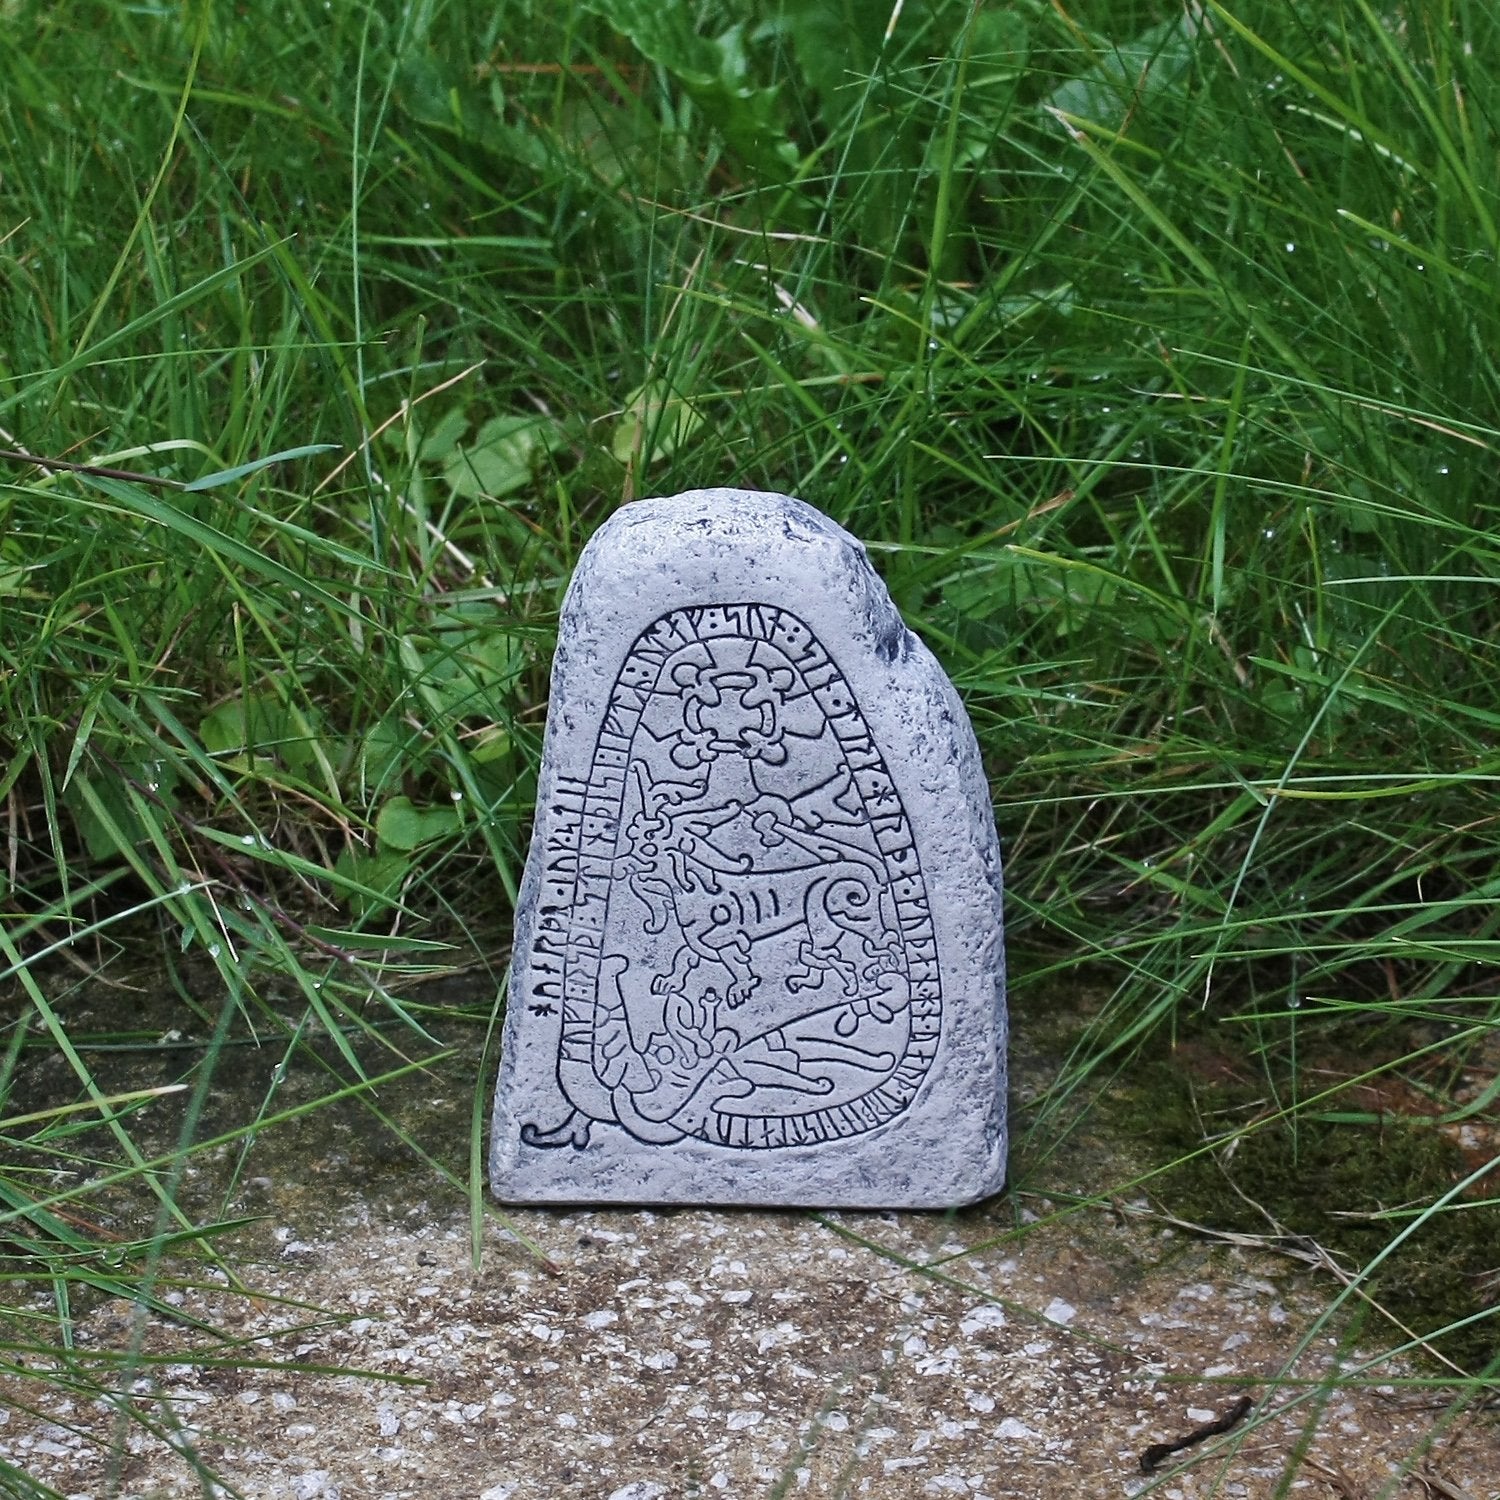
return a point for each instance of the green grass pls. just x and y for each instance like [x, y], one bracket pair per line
[1154, 357]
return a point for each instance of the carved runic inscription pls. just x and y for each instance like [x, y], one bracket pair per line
[733, 937]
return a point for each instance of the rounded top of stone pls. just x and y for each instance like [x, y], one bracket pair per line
[732, 511]
[732, 545]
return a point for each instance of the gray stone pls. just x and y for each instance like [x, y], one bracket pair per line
[758, 951]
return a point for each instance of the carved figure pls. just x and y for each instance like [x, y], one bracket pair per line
[747, 951]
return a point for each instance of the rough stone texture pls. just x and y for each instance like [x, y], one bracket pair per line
[758, 952]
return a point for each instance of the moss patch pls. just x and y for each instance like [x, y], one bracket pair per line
[1324, 1178]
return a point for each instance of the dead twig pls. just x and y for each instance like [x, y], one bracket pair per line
[1299, 1247]
[94, 471]
[1335, 1478]
[1158, 1453]
[1435, 1487]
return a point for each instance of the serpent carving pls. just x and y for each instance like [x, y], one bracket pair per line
[733, 923]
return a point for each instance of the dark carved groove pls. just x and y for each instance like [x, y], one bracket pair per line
[732, 916]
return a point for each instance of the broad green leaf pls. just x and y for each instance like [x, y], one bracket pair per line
[493, 658]
[224, 730]
[436, 444]
[371, 882]
[715, 74]
[438, 95]
[502, 456]
[1132, 76]
[262, 725]
[404, 826]
[381, 754]
[654, 425]
[104, 812]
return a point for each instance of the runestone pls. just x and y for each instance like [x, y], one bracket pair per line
[759, 953]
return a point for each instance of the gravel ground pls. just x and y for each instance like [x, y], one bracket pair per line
[664, 1356]
[615, 1355]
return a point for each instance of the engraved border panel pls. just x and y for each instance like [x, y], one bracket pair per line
[582, 859]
